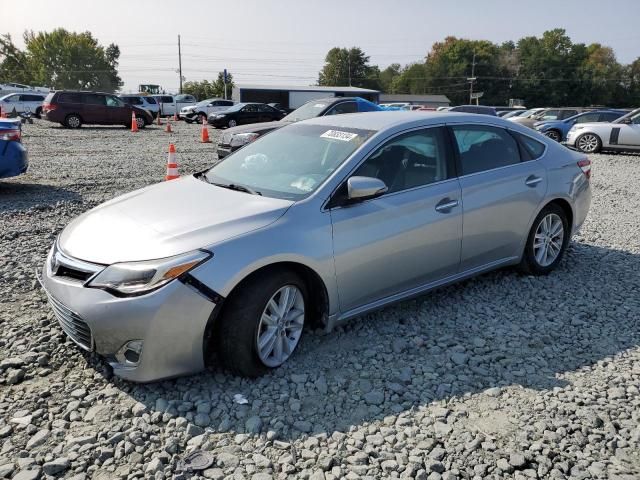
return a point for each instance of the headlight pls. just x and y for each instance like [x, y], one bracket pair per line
[136, 278]
[242, 139]
[221, 115]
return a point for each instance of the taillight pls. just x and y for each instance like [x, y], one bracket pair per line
[49, 107]
[11, 134]
[585, 166]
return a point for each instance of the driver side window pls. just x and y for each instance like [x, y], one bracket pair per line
[408, 161]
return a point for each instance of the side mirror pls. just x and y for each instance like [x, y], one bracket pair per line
[626, 121]
[363, 188]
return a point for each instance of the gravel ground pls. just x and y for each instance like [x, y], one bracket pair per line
[502, 376]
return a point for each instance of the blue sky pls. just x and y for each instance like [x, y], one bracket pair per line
[284, 41]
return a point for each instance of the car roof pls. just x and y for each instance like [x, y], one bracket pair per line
[388, 119]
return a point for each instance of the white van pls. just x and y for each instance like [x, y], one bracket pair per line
[172, 104]
[23, 102]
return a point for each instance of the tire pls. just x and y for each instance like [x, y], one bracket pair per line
[140, 121]
[242, 323]
[554, 135]
[38, 112]
[588, 143]
[73, 120]
[232, 123]
[202, 117]
[534, 261]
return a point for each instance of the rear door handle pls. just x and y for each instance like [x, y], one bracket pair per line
[445, 205]
[532, 181]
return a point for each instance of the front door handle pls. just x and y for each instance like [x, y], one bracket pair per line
[532, 181]
[445, 205]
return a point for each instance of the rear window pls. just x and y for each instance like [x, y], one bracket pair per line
[531, 149]
[49, 97]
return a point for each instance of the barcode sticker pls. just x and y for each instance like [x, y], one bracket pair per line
[339, 135]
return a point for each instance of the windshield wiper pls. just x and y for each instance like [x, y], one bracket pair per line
[237, 188]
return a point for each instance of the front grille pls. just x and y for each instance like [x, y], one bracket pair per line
[76, 328]
[68, 272]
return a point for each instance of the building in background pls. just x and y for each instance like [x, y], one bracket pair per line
[433, 101]
[293, 97]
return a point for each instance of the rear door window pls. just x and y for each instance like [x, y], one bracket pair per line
[94, 99]
[531, 149]
[70, 97]
[483, 148]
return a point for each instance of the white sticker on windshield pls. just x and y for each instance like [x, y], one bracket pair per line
[339, 135]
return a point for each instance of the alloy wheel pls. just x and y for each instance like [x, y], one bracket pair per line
[232, 123]
[588, 143]
[140, 122]
[548, 240]
[280, 326]
[73, 121]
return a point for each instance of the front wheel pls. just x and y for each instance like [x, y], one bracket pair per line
[547, 241]
[553, 135]
[202, 117]
[262, 323]
[589, 143]
[232, 123]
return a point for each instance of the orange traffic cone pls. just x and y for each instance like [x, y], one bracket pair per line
[204, 134]
[168, 127]
[134, 124]
[172, 165]
[175, 116]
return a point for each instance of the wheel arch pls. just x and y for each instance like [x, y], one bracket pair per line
[318, 293]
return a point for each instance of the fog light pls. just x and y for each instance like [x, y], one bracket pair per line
[130, 353]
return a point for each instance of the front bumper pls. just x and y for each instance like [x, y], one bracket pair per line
[171, 322]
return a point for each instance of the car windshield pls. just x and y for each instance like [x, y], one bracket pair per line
[288, 163]
[633, 116]
[308, 110]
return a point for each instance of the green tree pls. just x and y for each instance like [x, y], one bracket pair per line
[13, 62]
[69, 60]
[387, 77]
[349, 67]
[209, 89]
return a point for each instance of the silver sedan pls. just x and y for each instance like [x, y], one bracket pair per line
[311, 225]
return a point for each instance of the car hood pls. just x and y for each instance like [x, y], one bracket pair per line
[166, 219]
[252, 128]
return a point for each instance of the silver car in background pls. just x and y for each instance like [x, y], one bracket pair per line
[312, 224]
[622, 134]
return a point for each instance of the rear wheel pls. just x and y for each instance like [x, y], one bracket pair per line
[554, 135]
[547, 241]
[73, 121]
[262, 323]
[38, 112]
[589, 143]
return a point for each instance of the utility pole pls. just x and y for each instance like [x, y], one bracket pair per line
[472, 79]
[180, 63]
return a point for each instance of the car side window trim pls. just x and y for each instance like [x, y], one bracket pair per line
[448, 152]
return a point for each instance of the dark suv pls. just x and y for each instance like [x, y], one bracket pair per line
[73, 109]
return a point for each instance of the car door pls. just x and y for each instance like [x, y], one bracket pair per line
[500, 193]
[630, 133]
[12, 103]
[408, 237]
[119, 112]
[248, 114]
[167, 105]
[95, 108]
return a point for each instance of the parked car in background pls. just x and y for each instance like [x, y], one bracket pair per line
[557, 129]
[279, 106]
[309, 226]
[547, 114]
[6, 88]
[478, 109]
[514, 113]
[13, 155]
[73, 109]
[143, 101]
[236, 137]
[244, 113]
[201, 110]
[23, 102]
[622, 134]
[172, 104]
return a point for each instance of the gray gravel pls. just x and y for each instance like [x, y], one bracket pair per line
[503, 376]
